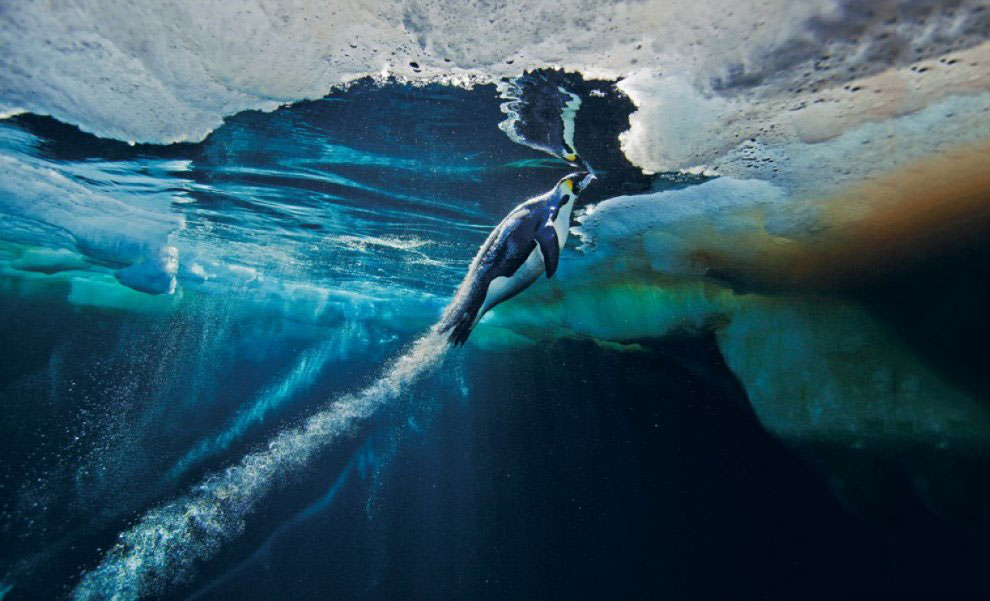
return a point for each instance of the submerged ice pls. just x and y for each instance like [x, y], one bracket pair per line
[835, 95]
[804, 183]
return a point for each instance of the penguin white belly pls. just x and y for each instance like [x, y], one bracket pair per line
[504, 287]
[563, 224]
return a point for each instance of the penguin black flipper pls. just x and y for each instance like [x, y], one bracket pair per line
[526, 244]
[546, 237]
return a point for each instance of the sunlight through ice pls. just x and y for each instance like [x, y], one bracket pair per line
[164, 545]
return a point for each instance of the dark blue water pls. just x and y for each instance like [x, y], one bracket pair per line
[315, 243]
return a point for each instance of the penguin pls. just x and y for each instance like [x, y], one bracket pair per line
[526, 244]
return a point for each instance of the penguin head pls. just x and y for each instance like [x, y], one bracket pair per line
[573, 184]
[575, 161]
[567, 189]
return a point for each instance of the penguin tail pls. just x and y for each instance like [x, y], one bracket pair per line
[459, 321]
[459, 326]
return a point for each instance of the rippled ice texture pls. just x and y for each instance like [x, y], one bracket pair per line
[808, 249]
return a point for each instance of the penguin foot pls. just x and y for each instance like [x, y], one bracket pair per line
[460, 326]
[460, 330]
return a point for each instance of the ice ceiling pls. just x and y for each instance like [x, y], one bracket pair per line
[849, 137]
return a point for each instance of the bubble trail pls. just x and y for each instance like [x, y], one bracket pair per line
[163, 547]
[302, 376]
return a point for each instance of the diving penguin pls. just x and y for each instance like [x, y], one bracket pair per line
[527, 243]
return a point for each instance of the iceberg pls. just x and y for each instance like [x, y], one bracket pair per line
[216, 219]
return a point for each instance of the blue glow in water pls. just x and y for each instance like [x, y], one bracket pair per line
[281, 424]
[313, 509]
[294, 384]
[295, 196]
[281, 229]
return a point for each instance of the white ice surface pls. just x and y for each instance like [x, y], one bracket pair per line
[168, 71]
[805, 96]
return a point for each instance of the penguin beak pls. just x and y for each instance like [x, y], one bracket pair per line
[581, 180]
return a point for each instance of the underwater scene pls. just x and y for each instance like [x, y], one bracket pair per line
[436, 299]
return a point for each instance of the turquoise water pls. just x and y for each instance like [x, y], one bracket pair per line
[219, 380]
